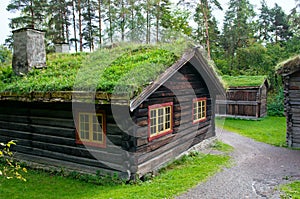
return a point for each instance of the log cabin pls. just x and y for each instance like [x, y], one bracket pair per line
[246, 97]
[112, 127]
[290, 72]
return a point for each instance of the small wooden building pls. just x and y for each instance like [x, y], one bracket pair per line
[111, 132]
[290, 72]
[246, 97]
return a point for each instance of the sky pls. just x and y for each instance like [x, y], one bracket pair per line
[287, 5]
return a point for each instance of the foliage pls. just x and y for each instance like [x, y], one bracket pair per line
[291, 190]
[235, 81]
[173, 180]
[270, 130]
[9, 168]
[31, 13]
[275, 103]
[5, 55]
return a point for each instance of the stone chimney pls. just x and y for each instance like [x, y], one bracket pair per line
[61, 47]
[28, 50]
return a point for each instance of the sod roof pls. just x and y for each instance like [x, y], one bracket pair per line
[243, 81]
[127, 73]
[126, 67]
[289, 66]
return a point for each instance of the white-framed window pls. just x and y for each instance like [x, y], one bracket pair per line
[91, 129]
[199, 109]
[160, 120]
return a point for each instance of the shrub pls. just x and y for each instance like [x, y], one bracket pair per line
[275, 103]
[8, 167]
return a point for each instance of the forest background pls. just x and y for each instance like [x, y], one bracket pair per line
[249, 42]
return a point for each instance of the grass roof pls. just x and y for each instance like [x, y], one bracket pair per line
[126, 68]
[243, 81]
[289, 65]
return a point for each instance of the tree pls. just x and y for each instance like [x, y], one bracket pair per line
[238, 28]
[89, 21]
[264, 22]
[79, 9]
[136, 21]
[32, 13]
[58, 25]
[74, 25]
[294, 20]
[110, 20]
[280, 25]
[203, 18]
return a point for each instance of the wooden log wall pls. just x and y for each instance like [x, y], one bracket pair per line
[152, 154]
[45, 133]
[244, 102]
[292, 108]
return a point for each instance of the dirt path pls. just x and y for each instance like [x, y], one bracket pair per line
[257, 170]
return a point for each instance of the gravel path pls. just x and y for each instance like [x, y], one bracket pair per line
[257, 170]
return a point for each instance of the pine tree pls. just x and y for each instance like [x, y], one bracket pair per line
[136, 21]
[32, 13]
[89, 21]
[238, 27]
[264, 22]
[294, 19]
[280, 25]
[204, 20]
[58, 25]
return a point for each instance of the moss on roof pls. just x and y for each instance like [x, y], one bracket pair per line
[125, 68]
[243, 81]
[290, 65]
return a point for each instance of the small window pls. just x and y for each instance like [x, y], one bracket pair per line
[199, 110]
[160, 120]
[91, 129]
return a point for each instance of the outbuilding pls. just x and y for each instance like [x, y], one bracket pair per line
[290, 72]
[246, 97]
[131, 110]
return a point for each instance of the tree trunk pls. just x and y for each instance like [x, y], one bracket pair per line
[32, 14]
[110, 22]
[100, 19]
[80, 26]
[123, 21]
[205, 15]
[148, 32]
[74, 24]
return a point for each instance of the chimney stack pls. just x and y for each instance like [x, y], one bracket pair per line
[28, 50]
[61, 47]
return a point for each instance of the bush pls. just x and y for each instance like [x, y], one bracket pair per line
[8, 167]
[276, 103]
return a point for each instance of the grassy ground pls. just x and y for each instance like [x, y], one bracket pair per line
[173, 180]
[292, 190]
[270, 130]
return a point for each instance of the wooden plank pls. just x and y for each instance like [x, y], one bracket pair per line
[69, 158]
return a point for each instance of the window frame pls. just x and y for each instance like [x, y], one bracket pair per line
[202, 119]
[91, 142]
[161, 133]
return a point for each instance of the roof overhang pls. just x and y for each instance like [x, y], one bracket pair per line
[195, 58]
[289, 67]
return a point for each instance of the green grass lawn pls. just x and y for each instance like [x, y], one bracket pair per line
[173, 180]
[270, 130]
[292, 190]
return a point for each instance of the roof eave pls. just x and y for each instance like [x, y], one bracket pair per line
[195, 58]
